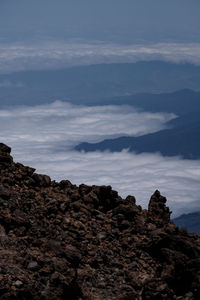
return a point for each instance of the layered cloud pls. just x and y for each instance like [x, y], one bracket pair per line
[64, 124]
[48, 54]
[44, 136]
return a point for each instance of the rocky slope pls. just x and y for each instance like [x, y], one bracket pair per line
[60, 241]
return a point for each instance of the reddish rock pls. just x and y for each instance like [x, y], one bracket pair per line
[60, 241]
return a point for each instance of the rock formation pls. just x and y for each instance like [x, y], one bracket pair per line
[61, 241]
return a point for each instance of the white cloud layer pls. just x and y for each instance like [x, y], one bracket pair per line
[42, 137]
[57, 54]
[66, 124]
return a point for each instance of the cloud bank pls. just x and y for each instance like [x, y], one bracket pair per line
[43, 137]
[62, 123]
[50, 54]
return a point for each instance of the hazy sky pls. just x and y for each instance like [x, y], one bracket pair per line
[44, 34]
[114, 20]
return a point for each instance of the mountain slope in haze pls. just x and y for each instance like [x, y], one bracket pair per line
[183, 141]
[189, 221]
[93, 84]
[181, 102]
[182, 138]
[62, 241]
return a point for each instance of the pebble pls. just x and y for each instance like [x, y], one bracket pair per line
[18, 283]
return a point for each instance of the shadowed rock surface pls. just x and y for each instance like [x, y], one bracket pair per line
[61, 241]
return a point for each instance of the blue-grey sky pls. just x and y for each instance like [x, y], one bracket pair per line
[114, 20]
[45, 34]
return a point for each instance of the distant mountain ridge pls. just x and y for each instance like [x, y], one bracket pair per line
[182, 141]
[97, 84]
[189, 221]
[180, 102]
[182, 136]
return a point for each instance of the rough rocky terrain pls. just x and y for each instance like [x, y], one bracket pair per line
[61, 241]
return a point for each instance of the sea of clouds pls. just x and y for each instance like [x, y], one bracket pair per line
[49, 53]
[44, 136]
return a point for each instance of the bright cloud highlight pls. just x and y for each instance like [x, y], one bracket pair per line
[49, 54]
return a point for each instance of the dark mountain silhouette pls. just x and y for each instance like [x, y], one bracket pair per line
[183, 141]
[62, 241]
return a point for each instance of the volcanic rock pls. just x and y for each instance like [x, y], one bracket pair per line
[61, 241]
